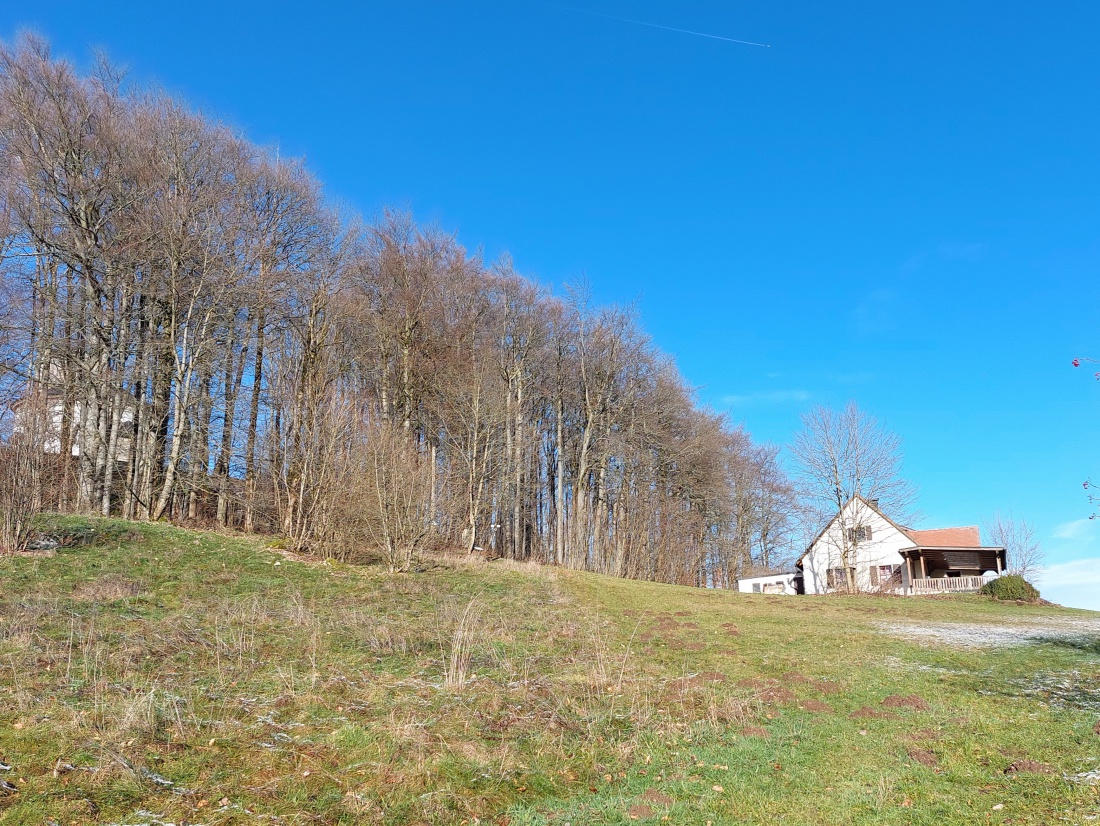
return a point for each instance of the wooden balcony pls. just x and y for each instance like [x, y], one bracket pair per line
[947, 585]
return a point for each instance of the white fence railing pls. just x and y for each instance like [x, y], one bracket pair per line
[947, 585]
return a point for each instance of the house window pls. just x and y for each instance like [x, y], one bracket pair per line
[885, 575]
[860, 533]
[837, 579]
[756, 587]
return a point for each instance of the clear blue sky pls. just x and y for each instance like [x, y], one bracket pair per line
[895, 205]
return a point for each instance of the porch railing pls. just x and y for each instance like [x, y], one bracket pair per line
[947, 585]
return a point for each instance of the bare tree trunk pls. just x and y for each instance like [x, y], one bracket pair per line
[253, 423]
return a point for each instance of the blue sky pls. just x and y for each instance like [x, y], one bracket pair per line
[895, 205]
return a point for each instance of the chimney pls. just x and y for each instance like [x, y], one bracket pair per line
[873, 503]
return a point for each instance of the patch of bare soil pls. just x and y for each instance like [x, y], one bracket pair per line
[1096, 728]
[713, 677]
[795, 677]
[695, 646]
[1029, 767]
[827, 686]
[639, 811]
[868, 713]
[754, 731]
[778, 694]
[657, 798]
[683, 614]
[817, 706]
[731, 629]
[923, 756]
[910, 701]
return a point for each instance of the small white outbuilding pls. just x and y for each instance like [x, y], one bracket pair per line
[775, 583]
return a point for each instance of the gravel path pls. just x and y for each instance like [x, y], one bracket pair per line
[974, 635]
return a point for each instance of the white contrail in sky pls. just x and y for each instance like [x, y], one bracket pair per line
[652, 25]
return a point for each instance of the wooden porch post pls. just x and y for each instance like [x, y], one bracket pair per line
[909, 568]
[923, 570]
[998, 563]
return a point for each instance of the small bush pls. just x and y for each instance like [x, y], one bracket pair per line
[1012, 586]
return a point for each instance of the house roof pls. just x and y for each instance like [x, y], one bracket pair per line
[967, 536]
[964, 537]
[774, 573]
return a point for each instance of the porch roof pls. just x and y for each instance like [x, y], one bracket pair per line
[958, 557]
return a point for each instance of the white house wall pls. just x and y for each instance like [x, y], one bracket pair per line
[782, 583]
[882, 549]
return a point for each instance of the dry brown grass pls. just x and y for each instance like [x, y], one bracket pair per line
[108, 588]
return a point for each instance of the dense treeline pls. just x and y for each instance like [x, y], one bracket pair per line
[191, 333]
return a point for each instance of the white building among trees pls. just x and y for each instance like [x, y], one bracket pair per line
[772, 582]
[862, 549]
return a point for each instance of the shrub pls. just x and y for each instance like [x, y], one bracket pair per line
[1012, 586]
[21, 466]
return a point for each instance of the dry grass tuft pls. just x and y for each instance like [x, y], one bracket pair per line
[109, 588]
[457, 664]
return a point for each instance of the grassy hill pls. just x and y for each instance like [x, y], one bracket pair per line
[154, 675]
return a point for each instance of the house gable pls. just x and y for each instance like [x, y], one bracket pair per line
[874, 547]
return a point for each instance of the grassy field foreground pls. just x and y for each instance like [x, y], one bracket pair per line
[153, 675]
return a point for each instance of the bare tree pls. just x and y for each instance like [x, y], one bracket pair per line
[211, 339]
[846, 455]
[1023, 551]
[384, 502]
[22, 469]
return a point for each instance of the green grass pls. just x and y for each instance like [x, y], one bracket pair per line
[153, 674]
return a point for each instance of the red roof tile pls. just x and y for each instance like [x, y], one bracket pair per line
[966, 537]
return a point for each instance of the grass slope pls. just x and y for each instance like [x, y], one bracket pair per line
[153, 675]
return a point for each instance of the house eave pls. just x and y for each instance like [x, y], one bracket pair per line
[950, 548]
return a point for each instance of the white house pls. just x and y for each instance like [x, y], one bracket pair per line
[779, 582]
[54, 425]
[884, 556]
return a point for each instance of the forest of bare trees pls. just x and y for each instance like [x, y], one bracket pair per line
[190, 332]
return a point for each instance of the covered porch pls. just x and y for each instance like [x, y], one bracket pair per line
[940, 570]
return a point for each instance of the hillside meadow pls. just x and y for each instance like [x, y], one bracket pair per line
[153, 675]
